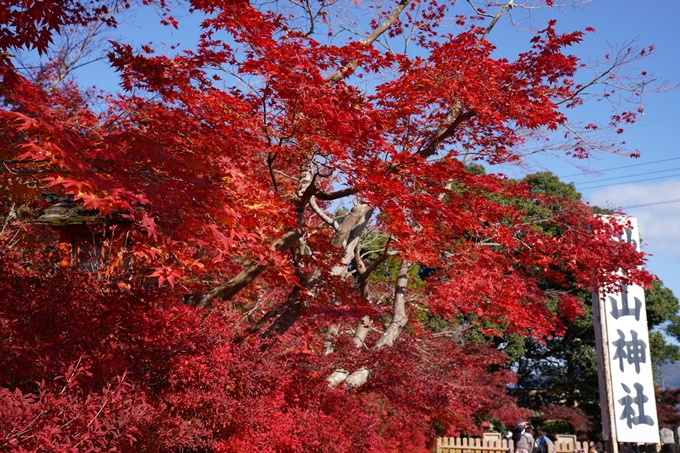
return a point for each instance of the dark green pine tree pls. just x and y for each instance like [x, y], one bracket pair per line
[562, 372]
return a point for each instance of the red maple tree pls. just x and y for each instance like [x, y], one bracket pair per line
[327, 266]
[667, 407]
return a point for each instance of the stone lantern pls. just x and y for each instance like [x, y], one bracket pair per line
[87, 240]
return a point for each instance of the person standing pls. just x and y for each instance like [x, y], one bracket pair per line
[529, 434]
[543, 441]
[524, 442]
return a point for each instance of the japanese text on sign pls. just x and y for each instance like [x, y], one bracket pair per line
[629, 360]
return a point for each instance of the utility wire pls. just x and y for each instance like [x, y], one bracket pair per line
[651, 204]
[633, 165]
[639, 174]
[628, 176]
[628, 182]
[652, 122]
[625, 166]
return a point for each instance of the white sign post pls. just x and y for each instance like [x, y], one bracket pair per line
[624, 362]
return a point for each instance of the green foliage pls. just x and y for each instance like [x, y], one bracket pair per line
[662, 318]
[514, 346]
[549, 184]
[662, 309]
[556, 426]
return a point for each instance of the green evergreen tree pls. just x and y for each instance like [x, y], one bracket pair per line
[563, 371]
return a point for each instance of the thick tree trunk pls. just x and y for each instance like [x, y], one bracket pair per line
[360, 377]
[348, 236]
[352, 226]
[399, 319]
[362, 331]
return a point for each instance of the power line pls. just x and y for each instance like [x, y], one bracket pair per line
[628, 182]
[651, 204]
[653, 122]
[628, 176]
[625, 166]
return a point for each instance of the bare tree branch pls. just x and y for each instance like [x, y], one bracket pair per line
[321, 195]
[339, 74]
[500, 13]
[322, 215]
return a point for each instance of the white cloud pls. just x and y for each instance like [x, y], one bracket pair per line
[659, 224]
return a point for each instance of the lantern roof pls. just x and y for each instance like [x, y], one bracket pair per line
[68, 211]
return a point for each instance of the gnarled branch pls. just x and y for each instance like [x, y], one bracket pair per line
[247, 275]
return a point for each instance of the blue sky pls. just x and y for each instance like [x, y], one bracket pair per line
[656, 135]
[655, 176]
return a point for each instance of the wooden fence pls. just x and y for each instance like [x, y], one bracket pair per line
[563, 445]
[473, 445]
[491, 445]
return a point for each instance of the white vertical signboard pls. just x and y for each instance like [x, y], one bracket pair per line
[632, 405]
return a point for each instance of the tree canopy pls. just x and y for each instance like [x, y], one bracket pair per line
[561, 373]
[311, 261]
